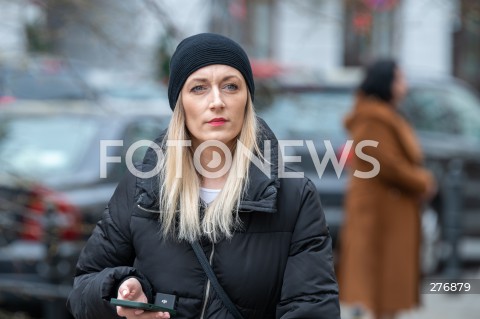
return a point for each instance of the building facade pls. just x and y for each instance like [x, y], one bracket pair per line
[430, 37]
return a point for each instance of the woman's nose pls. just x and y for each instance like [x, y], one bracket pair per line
[216, 98]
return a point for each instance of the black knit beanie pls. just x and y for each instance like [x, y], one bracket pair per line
[201, 50]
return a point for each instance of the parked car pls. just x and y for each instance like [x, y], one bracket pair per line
[446, 116]
[314, 113]
[52, 192]
[126, 90]
[145, 95]
[44, 78]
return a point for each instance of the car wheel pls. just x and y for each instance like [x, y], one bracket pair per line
[431, 255]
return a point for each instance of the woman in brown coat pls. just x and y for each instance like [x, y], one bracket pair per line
[379, 265]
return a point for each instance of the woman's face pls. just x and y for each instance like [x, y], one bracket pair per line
[399, 86]
[214, 99]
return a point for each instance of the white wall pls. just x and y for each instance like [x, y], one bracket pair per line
[13, 16]
[426, 36]
[309, 34]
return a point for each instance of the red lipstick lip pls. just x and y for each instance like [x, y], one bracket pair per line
[218, 121]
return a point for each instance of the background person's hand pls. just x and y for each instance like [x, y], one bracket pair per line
[431, 191]
[131, 289]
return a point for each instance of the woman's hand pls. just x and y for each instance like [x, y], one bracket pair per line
[131, 289]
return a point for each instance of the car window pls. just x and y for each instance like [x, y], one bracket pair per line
[427, 110]
[450, 110]
[139, 92]
[44, 81]
[144, 129]
[39, 145]
[316, 115]
[467, 105]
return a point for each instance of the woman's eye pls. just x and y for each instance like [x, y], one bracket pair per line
[197, 88]
[231, 87]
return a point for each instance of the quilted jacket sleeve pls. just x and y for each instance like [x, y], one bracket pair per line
[310, 288]
[106, 259]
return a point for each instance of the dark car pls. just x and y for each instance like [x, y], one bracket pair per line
[44, 78]
[446, 116]
[314, 115]
[59, 166]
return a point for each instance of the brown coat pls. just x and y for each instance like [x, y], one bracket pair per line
[379, 255]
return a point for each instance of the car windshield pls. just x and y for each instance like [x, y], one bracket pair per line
[469, 110]
[146, 92]
[37, 146]
[313, 115]
[452, 110]
[47, 80]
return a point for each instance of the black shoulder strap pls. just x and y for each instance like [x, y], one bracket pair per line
[214, 281]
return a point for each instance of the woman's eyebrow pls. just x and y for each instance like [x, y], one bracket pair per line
[228, 77]
[203, 80]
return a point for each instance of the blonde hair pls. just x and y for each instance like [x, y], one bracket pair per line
[179, 196]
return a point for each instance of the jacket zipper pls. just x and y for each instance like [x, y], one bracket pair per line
[148, 210]
[207, 290]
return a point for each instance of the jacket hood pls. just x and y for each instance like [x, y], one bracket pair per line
[261, 191]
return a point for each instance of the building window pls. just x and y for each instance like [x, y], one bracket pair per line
[466, 49]
[249, 22]
[369, 29]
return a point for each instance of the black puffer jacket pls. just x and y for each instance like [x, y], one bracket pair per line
[279, 266]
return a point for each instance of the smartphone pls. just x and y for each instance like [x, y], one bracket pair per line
[140, 305]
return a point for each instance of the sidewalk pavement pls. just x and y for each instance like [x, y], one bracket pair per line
[441, 306]
[446, 307]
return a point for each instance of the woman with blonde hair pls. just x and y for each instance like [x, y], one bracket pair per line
[212, 231]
